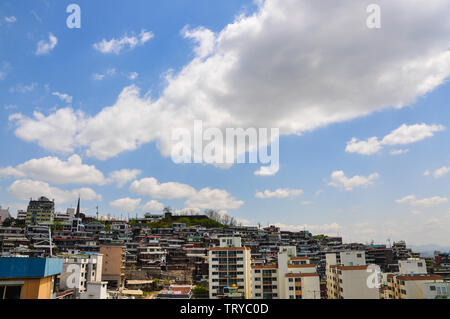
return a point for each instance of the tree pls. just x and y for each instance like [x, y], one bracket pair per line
[200, 292]
[8, 222]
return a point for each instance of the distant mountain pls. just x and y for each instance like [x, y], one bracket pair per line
[428, 250]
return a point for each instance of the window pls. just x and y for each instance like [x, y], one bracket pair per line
[420, 264]
[359, 255]
[10, 292]
[291, 280]
[432, 288]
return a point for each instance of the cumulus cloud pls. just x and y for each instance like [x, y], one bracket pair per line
[405, 134]
[45, 47]
[54, 132]
[259, 74]
[204, 198]
[10, 19]
[425, 202]
[279, 193]
[26, 189]
[125, 204]
[205, 39]
[369, 147]
[21, 88]
[399, 152]
[214, 199]
[153, 206]
[117, 45]
[53, 170]
[63, 97]
[339, 180]
[133, 76]
[440, 172]
[123, 176]
[151, 187]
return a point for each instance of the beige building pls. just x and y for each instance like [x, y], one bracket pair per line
[347, 276]
[230, 270]
[292, 277]
[412, 281]
[113, 264]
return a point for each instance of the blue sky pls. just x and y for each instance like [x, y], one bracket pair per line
[320, 92]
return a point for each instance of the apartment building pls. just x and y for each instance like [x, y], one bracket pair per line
[412, 281]
[293, 277]
[347, 276]
[40, 211]
[28, 278]
[230, 270]
[113, 264]
[79, 270]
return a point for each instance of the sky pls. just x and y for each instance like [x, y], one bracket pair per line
[362, 112]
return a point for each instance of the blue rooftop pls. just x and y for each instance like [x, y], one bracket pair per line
[17, 267]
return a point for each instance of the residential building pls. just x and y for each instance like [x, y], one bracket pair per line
[113, 264]
[28, 278]
[230, 270]
[4, 215]
[347, 276]
[40, 211]
[79, 270]
[413, 281]
[293, 277]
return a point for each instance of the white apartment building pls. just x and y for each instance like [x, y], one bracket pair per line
[292, 278]
[413, 282]
[347, 276]
[230, 270]
[95, 290]
[80, 270]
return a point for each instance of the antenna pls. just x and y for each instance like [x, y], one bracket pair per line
[97, 211]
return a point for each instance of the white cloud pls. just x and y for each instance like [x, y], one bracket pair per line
[204, 198]
[20, 88]
[117, 45]
[125, 204]
[124, 176]
[399, 152]
[10, 19]
[151, 187]
[26, 189]
[133, 76]
[44, 47]
[63, 97]
[444, 170]
[100, 76]
[53, 132]
[279, 193]
[405, 134]
[153, 206]
[214, 199]
[339, 180]
[53, 170]
[257, 64]
[369, 147]
[205, 38]
[11, 172]
[426, 202]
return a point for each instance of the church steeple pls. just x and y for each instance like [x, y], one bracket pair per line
[77, 214]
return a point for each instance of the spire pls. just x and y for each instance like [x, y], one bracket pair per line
[77, 215]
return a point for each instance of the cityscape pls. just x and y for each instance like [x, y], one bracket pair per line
[202, 256]
[206, 157]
